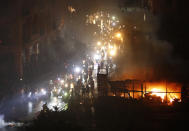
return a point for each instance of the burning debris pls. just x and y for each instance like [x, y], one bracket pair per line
[164, 92]
[168, 92]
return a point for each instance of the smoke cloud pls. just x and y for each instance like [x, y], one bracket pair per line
[145, 57]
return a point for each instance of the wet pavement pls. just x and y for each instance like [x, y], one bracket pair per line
[26, 107]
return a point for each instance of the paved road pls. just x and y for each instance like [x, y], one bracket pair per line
[25, 106]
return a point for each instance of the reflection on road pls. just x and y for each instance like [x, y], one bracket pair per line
[27, 106]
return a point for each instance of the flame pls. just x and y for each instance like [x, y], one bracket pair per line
[159, 89]
[155, 91]
[168, 92]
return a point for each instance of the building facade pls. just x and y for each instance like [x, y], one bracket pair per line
[25, 28]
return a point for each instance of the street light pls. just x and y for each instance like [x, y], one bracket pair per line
[65, 93]
[113, 17]
[113, 24]
[118, 35]
[71, 85]
[97, 57]
[66, 85]
[62, 81]
[43, 91]
[77, 69]
[99, 43]
[112, 52]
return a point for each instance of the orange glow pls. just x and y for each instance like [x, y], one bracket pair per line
[159, 89]
[155, 91]
[71, 9]
[112, 52]
[168, 92]
[118, 35]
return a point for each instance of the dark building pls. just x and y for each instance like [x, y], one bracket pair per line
[26, 28]
[173, 28]
[173, 15]
[160, 7]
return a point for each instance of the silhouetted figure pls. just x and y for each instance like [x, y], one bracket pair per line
[45, 108]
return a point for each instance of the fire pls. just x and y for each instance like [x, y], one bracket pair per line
[156, 91]
[160, 92]
[167, 91]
